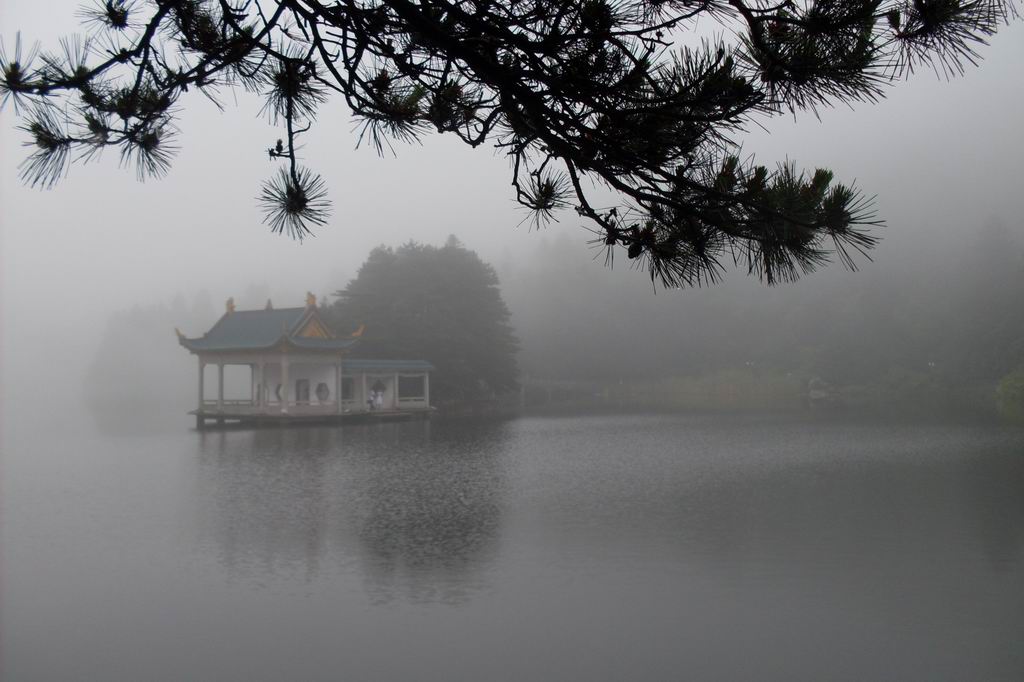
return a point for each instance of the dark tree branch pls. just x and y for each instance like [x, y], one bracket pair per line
[598, 88]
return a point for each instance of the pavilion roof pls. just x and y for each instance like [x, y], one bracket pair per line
[241, 330]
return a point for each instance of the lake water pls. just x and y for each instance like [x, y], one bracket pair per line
[577, 548]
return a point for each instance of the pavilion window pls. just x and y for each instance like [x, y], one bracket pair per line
[302, 391]
[347, 388]
[411, 388]
[322, 392]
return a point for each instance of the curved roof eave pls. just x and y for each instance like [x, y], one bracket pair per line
[285, 341]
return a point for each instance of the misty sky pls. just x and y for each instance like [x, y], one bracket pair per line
[941, 156]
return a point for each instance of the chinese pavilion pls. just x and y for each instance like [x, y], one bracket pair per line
[299, 371]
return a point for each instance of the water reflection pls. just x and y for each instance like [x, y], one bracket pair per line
[604, 548]
[994, 494]
[264, 498]
[414, 509]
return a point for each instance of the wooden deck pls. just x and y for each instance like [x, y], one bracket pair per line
[243, 414]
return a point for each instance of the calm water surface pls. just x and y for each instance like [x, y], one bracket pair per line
[597, 548]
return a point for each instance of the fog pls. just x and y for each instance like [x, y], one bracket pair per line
[942, 156]
[663, 496]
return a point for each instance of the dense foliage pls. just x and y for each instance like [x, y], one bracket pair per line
[609, 94]
[440, 304]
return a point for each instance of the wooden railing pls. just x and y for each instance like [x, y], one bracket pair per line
[270, 406]
[249, 407]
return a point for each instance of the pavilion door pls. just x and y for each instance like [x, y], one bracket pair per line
[302, 391]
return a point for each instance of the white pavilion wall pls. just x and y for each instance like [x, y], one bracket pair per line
[239, 378]
[313, 373]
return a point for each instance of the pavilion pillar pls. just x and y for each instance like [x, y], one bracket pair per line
[394, 396]
[284, 384]
[337, 387]
[202, 371]
[260, 389]
[220, 386]
[426, 388]
[365, 397]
